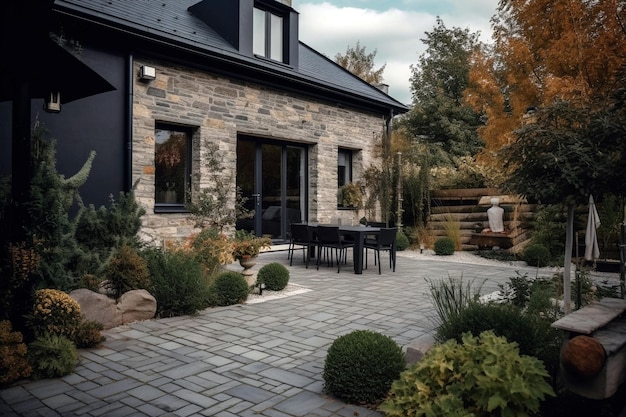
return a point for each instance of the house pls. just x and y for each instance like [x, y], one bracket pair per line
[290, 125]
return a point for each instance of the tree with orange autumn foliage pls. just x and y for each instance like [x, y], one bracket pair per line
[545, 51]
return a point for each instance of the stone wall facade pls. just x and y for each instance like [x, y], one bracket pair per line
[218, 109]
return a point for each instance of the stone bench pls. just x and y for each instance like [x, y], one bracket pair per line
[603, 322]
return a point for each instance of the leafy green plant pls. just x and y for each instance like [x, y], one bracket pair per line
[126, 271]
[177, 282]
[230, 288]
[402, 241]
[274, 275]
[13, 359]
[89, 334]
[52, 356]
[54, 313]
[351, 195]
[537, 255]
[444, 246]
[485, 375]
[360, 366]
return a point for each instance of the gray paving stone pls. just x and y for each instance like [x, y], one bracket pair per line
[301, 404]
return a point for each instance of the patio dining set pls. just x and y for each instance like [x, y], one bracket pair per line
[329, 244]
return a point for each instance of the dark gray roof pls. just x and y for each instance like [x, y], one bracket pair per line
[169, 21]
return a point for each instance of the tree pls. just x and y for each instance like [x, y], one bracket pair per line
[361, 64]
[545, 50]
[440, 117]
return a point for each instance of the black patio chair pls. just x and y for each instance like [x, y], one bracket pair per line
[329, 237]
[385, 240]
[301, 235]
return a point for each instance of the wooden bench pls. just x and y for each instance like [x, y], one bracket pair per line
[602, 321]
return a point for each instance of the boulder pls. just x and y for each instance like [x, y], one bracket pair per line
[415, 350]
[136, 305]
[97, 307]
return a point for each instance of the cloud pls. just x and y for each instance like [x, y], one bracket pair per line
[395, 34]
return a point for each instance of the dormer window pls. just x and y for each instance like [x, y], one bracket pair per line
[268, 35]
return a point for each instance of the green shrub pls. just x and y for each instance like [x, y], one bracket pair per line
[275, 276]
[483, 376]
[450, 296]
[444, 246]
[89, 334]
[360, 366]
[402, 241]
[536, 254]
[230, 288]
[13, 360]
[52, 356]
[126, 271]
[54, 312]
[177, 282]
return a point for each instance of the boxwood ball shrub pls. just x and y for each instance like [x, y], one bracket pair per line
[537, 255]
[444, 246]
[483, 376]
[230, 288]
[360, 366]
[274, 275]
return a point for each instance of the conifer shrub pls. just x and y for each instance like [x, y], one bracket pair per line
[52, 356]
[89, 334]
[126, 271]
[485, 375]
[274, 275]
[177, 282]
[360, 366]
[444, 246]
[54, 313]
[537, 255]
[13, 355]
[230, 288]
[402, 241]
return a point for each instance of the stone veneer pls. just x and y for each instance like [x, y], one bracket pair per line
[218, 109]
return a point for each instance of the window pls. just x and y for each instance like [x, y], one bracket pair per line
[268, 34]
[172, 160]
[344, 167]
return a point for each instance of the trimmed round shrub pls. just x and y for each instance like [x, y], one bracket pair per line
[482, 376]
[54, 312]
[13, 360]
[230, 288]
[402, 241]
[361, 366]
[444, 246]
[537, 255]
[275, 276]
[52, 356]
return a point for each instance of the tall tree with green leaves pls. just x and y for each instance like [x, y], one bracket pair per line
[361, 64]
[440, 117]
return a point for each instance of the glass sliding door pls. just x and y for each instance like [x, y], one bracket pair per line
[271, 175]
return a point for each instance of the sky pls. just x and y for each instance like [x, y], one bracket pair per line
[392, 29]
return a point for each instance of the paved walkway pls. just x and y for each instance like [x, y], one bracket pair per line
[258, 359]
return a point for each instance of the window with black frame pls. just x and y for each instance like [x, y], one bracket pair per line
[344, 172]
[269, 34]
[172, 161]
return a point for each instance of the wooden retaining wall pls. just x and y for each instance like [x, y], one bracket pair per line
[469, 208]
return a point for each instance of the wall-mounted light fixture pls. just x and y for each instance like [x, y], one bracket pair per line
[52, 103]
[147, 73]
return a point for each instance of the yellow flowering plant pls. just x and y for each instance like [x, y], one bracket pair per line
[54, 313]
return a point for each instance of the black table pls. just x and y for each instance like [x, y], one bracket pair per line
[358, 233]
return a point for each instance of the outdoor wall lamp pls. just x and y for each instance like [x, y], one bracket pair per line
[147, 73]
[52, 104]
